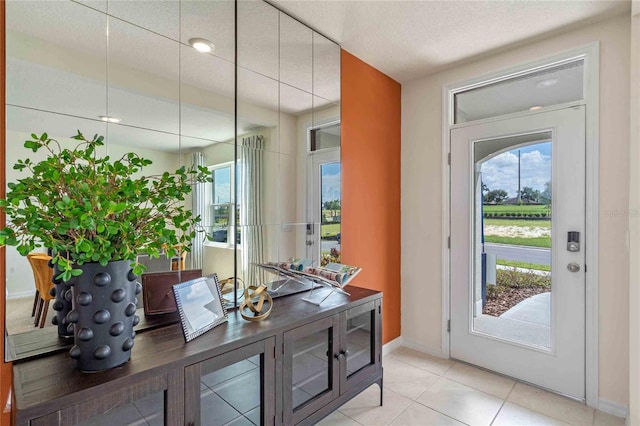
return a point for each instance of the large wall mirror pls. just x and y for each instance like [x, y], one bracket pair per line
[267, 127]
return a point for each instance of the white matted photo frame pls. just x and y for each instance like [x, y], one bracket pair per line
[200, 305]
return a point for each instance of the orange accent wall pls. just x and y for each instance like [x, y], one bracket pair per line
[370, 155]
[5, 368]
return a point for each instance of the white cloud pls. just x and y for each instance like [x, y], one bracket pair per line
[501, 172]
[330, 187]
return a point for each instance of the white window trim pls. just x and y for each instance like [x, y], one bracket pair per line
[591, 55]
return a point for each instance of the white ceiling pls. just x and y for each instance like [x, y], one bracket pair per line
[411, 39]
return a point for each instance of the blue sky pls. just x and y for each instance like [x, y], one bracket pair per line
[501, 172]
[330, 182]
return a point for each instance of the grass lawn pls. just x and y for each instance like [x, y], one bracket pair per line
[525, 208]
[519, 222]
[329, 230]
[519, 241]
[524, 265]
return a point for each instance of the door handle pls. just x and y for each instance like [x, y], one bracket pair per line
[573, 267]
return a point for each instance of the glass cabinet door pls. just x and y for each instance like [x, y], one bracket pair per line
[145, 411]
[310, 376]
[149, 401]
[235, 388]
[361, 331]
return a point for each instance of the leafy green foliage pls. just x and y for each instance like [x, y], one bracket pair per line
[87, 208]
[514, 278]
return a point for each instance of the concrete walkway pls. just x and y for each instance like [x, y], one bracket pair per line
[529, 322]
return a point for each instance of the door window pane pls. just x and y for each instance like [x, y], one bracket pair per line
[551, 86]
[330, 214]
[512, 239]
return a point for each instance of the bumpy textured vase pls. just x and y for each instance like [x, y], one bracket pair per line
[103, 315]
[62, 304]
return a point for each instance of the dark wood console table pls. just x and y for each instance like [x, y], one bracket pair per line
[296, 367]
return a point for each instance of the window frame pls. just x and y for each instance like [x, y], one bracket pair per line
[233, 206]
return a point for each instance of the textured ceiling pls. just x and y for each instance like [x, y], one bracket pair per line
[411, 39]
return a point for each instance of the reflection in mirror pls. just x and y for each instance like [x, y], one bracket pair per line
[62, 70]
[154, 85]
[143, 78]
[258, 41]
[296, 53]
[210, 20]
[161, 17]
[20, 281]
[326, 69]
[177, 107]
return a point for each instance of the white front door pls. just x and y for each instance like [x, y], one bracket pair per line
[323, 203]
[532, 222]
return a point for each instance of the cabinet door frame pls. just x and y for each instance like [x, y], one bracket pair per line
[289, 415]
[374, 307]
[193, 374]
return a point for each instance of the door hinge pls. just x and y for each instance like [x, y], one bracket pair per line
[448, 326]
[283, 348]
[448, 242]
[585, 268]
[274, 352]
[379, 309]
[449, 158]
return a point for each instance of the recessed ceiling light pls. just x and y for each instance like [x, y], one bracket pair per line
[535, 108]
[546, 83]
[201, 45]
[109, 119]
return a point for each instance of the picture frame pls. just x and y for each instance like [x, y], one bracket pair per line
[200, 305]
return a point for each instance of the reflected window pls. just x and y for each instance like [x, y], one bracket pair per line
[223, 213]
[325, 137]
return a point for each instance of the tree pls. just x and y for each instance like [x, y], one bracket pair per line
[530, 195]
[497, 196]
[545, 196]
[332, 205]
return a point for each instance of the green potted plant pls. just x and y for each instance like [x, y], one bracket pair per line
[95, 215]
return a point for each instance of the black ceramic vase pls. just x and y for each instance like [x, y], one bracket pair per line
[103, 315]
[62, 304]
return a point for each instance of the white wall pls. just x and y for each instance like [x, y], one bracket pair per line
[634, 223]
[422, 194]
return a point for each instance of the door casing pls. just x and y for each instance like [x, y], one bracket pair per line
[590, 53]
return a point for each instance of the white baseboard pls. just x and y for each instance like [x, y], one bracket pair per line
[29, 293]
[612, 408]
[430, 350]
[391, 346]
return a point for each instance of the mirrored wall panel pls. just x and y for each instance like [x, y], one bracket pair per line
[159, 78]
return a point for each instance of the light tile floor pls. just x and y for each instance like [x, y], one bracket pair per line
[423, 390]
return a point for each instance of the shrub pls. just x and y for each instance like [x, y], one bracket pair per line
[512, 277]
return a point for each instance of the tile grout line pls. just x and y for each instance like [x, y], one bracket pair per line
[504, 401]
[546, 414]
[424, 369]
[433, 409]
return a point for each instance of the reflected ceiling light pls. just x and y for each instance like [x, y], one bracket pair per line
[546, 83]
[201, 45]
[535, 108]
[109, 119]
